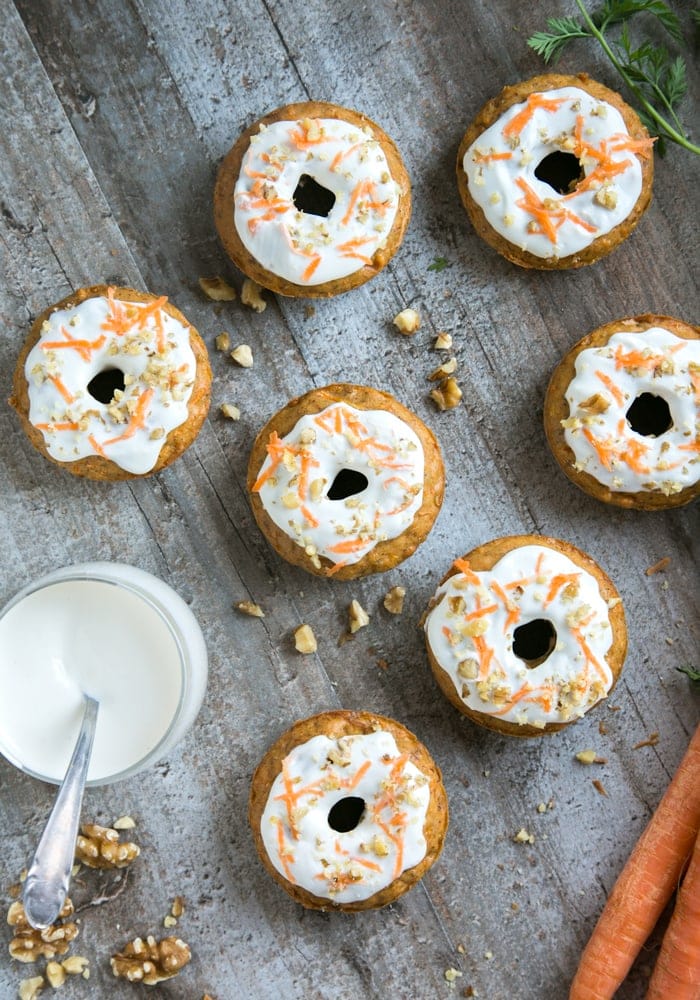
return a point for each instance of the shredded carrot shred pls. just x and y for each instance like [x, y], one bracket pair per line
[61, 388]
[533, 103]
[613, 389]
[137, 421]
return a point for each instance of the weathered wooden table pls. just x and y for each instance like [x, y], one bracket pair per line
[115, 116]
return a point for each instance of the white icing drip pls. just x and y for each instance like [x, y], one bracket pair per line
[298, 246]
[493, 183]
[666, 463]
[162, 365]
[568, 685]
[351, 866]
[389, 455]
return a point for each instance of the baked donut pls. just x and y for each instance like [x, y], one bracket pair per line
[622, 413]
[312, 200]
[348, 811]
[112, 383]
[345, 481]
[525, 634]
[555, 172]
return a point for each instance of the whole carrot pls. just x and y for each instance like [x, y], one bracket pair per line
[677, 970]
[645, 885]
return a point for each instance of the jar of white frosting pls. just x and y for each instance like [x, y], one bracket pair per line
[112, 631]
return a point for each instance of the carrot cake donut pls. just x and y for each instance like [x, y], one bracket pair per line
[112, 383]
[348, 811]
[525, 634]
[555, 172]
[312, 200]
[622, 413]
[345, 481]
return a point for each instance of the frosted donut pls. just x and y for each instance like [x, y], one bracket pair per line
[348, 811]
[622, 413]
[525, 634]
[555, 172]
[312, 200]
[112, 383]
[345, 481]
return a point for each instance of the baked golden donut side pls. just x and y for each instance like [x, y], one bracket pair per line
[622, 412]
[590, 145]
[305, 448]
[361, 175]
[394, 826]
[525, 634]
[146, 345]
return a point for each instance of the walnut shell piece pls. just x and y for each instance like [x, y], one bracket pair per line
[99, 847]
[151, 961]
[29, 944]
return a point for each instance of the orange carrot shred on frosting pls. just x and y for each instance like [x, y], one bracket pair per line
[533, 103]
[97, 447]
[548, 219]
[83, 347]
[464, 568]
[357, 777]
[538, 564]
[636, 359]
[401, 508]
[614, 390]
[691, 446]
[337, 566]
[364, 189]
[118, 320]
[137, 421]
[285, 855]
[339, 157]
[372, 865]
[308, 271]
[306, 513]
[485, 654]
[556, 583]
[300, 137]
[67, 425]
[351, 545]
[61, 388]
[489, 157]
[480, 612]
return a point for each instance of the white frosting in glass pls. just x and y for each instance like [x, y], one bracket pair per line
[470, 630]
[299, 471]
[298, 246]
[388, 839]
[500, 167]
[607, 381]
[152, 350]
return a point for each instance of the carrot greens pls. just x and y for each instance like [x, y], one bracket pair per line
[655, 78]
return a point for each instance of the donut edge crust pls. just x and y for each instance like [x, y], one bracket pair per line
[556, 409]
[385, 555]
[492, 111]
[178, 440]
[334, 725]
[230, 169]
[484, 558]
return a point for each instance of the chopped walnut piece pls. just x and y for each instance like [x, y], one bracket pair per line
[230, 411]
[452, 974]
[30, 944]
[99, 847]
[443, 342]
[448, 368]
[523, 837]
[30, 988]
[393, 601]
[178, 907]
[358, 617]
[223, 342]
[305, 640]
[56, 974]
[169, 921]
[595, 404]
[124, 823]
[407, 321]
[447, 395]
[243, 356]
[606, 196]
[590, 757]
[249, 608]
[75, 965]
[250, 296]
[151, 961]
[217, 289]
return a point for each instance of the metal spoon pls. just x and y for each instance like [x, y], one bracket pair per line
[46, 885]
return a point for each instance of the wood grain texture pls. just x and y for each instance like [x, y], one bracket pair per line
[114, 121]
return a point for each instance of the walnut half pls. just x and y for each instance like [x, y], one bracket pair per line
[30, 944]
[151, 961]
[99, 847]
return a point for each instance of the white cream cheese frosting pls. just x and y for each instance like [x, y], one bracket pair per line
[388, 838]
[500, 166]
[300, 469]
[146, 344]
[349, 163]
[608, 380]
[470, 630]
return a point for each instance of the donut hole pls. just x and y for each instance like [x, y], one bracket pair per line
[562, 171]
[312, 198]
[534, 641]
[347, 483]
[649, 415]
[103, 386]
[346, 814]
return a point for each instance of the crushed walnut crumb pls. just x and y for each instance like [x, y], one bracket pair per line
[407, 321]
[251, 296]
[448, 368]
[393, 600]
[217, 289]
[590, 757]
[230, 411]
[305, 640]
[357, 617]
[443, 342]
[249, 608]
[243, 356]
[223, 342]
[523, 837]
[447, 395]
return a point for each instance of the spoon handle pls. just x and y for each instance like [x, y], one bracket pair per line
[46, 885]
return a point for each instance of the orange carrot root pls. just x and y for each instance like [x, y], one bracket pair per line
[644, 887]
